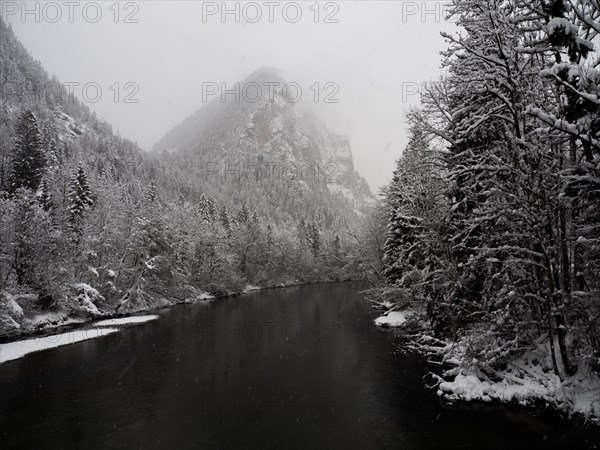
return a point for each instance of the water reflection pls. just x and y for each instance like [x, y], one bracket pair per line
[291, 368]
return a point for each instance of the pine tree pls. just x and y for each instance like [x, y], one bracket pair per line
[79, 199]
[33, 245]
[314, 240]
[45, 196]
[207, 208]
[3, 175]
[269, 241]
[253, 225]
[150, 194]
[243, 215]
[212, 212]
[410, 198]
[512, 136]
[4, 115]
[50, 141]
[226, 220]
[302, 233]
[29, 160]
[336, 247]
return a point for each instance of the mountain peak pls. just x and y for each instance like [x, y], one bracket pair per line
[229, 132]
[265, 74]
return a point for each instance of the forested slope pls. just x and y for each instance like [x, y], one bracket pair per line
[258, 151]
[91, 225]
[493, 217]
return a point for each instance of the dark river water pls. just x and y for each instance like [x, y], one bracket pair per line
[294, 368]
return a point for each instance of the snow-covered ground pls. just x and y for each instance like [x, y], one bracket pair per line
[577, 394]
[251, 287]
[125, 321]
[16, 350]
[87, 298]
[527, 379]
[393, 318]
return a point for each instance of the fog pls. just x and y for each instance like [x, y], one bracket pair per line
[377, 54]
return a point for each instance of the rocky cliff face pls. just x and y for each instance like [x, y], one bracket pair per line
[267, 139]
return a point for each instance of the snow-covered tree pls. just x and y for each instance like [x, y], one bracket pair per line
[45, 196]
[243, 215]
[79, 199]
[29, 158]
[226, 221]
[151, 193]
[516, 111]
[207, 208]
[314, 240]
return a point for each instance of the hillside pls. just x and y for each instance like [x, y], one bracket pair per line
[91, 226]
[256, 145]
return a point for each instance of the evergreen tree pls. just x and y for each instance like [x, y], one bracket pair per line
[518, 109]
[50, 140]
[79, 199]
[269, 242]
[207, 208]
[45, 196]
[4, 115]
[33, 244]
[29, 160]
[4, 174]
[336, 248]
[243, 215]
[226, 221]
[410, 198]
[314, 240]
[150, 194]
[302, 232]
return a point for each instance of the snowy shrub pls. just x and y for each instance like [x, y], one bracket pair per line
[87, 299]
[11, 313]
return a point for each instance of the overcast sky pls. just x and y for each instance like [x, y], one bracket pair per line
[377, 54]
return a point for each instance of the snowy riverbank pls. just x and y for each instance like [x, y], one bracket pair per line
[82, 328]
[18, 349]
[22, 316]
[527, 379]
[80, 316]
[26, 314]
[394, 318]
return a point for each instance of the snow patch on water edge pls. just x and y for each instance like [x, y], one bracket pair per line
[125, 321]
[18, 349]
[394, 318]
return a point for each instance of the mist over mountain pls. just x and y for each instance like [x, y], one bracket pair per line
[241, 193]
[253, 136]
[479, 259]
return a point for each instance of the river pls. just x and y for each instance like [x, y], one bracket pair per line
[293, 368]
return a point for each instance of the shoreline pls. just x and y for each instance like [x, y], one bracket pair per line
[73, 324]
[456, 381]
